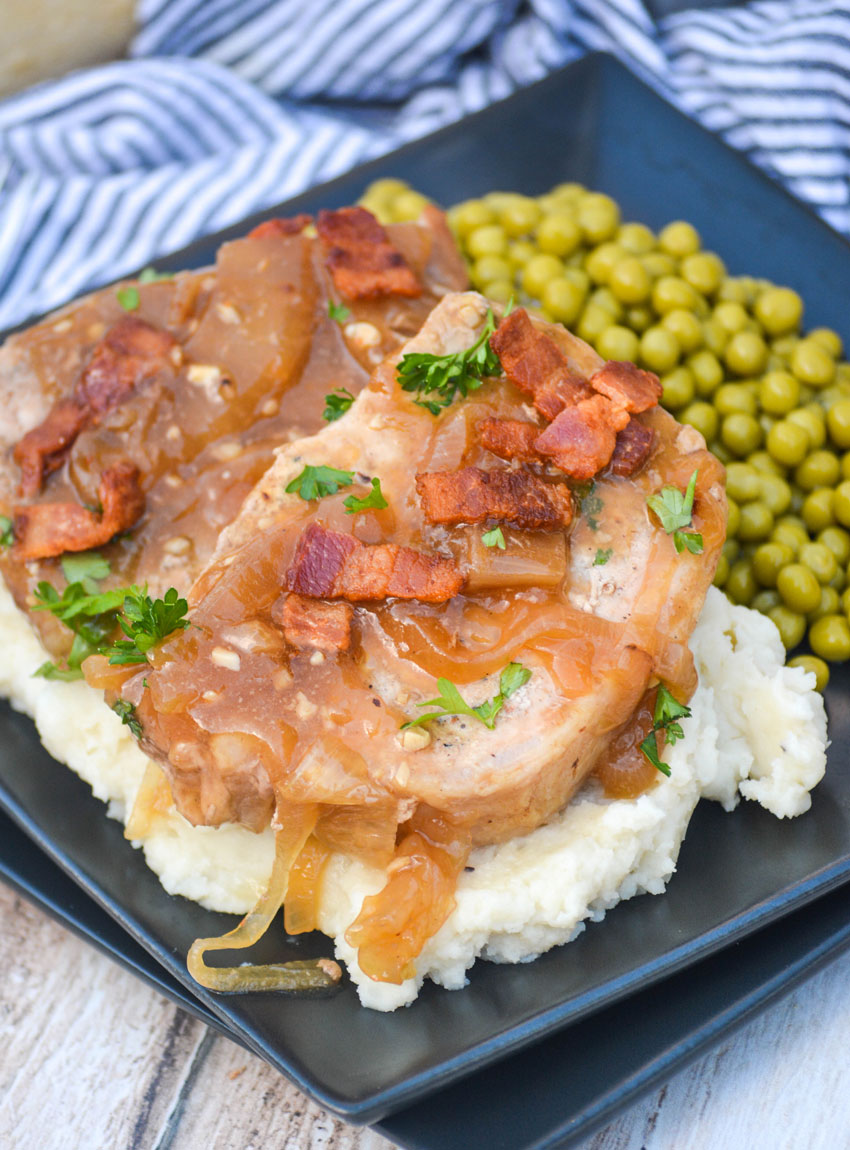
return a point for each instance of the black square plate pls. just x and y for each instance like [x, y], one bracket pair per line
[595, 123]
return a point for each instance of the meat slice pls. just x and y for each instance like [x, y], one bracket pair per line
[581, 440]
[535, 364]
[130, 352]
[511, 439]
[47, 529]
[280, 226]
[473, 495]
[360, 257]
[633, 448]
[331, 565]
[627, 386]
[311, 623]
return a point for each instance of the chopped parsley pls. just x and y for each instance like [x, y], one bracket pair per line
[666, 719]
[439, 379]
[494, 538]
[152, 276]
[127, 714]
[146, 622]
[7, 531]
[86, 567]
[591, 505]
[602, 557]
[128, 297]
[337, 403]
[675, 511]
[375, 499]
[338, 311]
[317, 482]
[451, 702]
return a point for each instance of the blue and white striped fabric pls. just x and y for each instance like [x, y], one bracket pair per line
[228, 106]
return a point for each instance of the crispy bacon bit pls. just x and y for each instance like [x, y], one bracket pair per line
[312, 623]
[47, 529]
[130, 352]
[330, 565]
[536, 365]
[633, 448]
[627, 386]
[581, 440]
[511, 439]
[472, 495]
[361, 258]
[280, 227]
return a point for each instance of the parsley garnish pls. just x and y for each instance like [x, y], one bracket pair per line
[128, 297]
[666, 719]
[591, 505]
[602, 557]
[337, 404]
[494, 538]
[127, 713]
[374, 499]
[7, 531]
[338, 311]
[317, 482]
[446, 376]
[146, 622]
[451, 701]
[86, 567]
[152, 276]
[674, 511]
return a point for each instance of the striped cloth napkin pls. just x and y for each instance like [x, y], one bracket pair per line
[228, 106]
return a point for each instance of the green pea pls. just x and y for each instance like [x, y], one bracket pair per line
[598, 217]
[465, 218]
[830, 602]
[539, 271]
[520, 252]
[636, 238]
[765, 601]
[488, 240]
[743, 483]
[685, 327]
[764, 464]
[735, 289]
[741, 585]
[812, 363]
[489, 268]
[563, 299]
[779, 310]
[790, 536]
[407, 205]
[817, 666]
[829, 638]
[838, 541]
[678, 386]
[733, 397]
[741, 433]
[720, 451]
[788, 443]
[671, 292]
[715, 336]
[799, 588]
[768, 561]
[618, 343]
[639, 318]
[721, 572]
[558, 234]
[502, 290]
[659, 349]
[594, 321]
[779, 393]
[819, 560]
[731, 549]
[818, 509]
[579, 277]
[731, 316]
[679, 239]
[604, 297]
[703, 417]
[658, 264]
[704, 271]
[775, 492]
[790, 624]
[629, 281]
[819, 469]
[601, 261]
[520, 216]
[733, 519]
[838, 423]
[828, 339]
[756, 522]
[746, 353]
[707, 372]
[813, 422]
[839, 580]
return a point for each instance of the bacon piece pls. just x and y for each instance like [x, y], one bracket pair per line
[581, 440]
[472, 495]
[536, 365]
[330, 565]
[312, 623]
[627, 386]
[361, 258]
[280, 227]
[633, 448]
[47, 529]
[129, 353]
[511, 439]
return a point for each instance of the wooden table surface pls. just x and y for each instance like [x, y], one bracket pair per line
[91, 1058]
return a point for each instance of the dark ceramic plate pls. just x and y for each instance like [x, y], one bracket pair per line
[542, 1096]
[592, 122]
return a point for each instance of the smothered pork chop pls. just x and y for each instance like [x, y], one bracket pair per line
[136, 421]
[431, 621]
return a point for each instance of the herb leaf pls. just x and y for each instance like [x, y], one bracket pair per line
[602, 557]
[146, 622]
[127, 713]
[675, 511]
[152, 276]
[590, 506]
[317, 482]
[85, 567]
[7, 531]
[374, 499]
[451, 702]
[128, 297]
[337, 403]
[666, 717]
[338, 311]
[444, 377]
[494, 538]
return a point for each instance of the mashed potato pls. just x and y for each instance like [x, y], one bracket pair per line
[758, 729]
